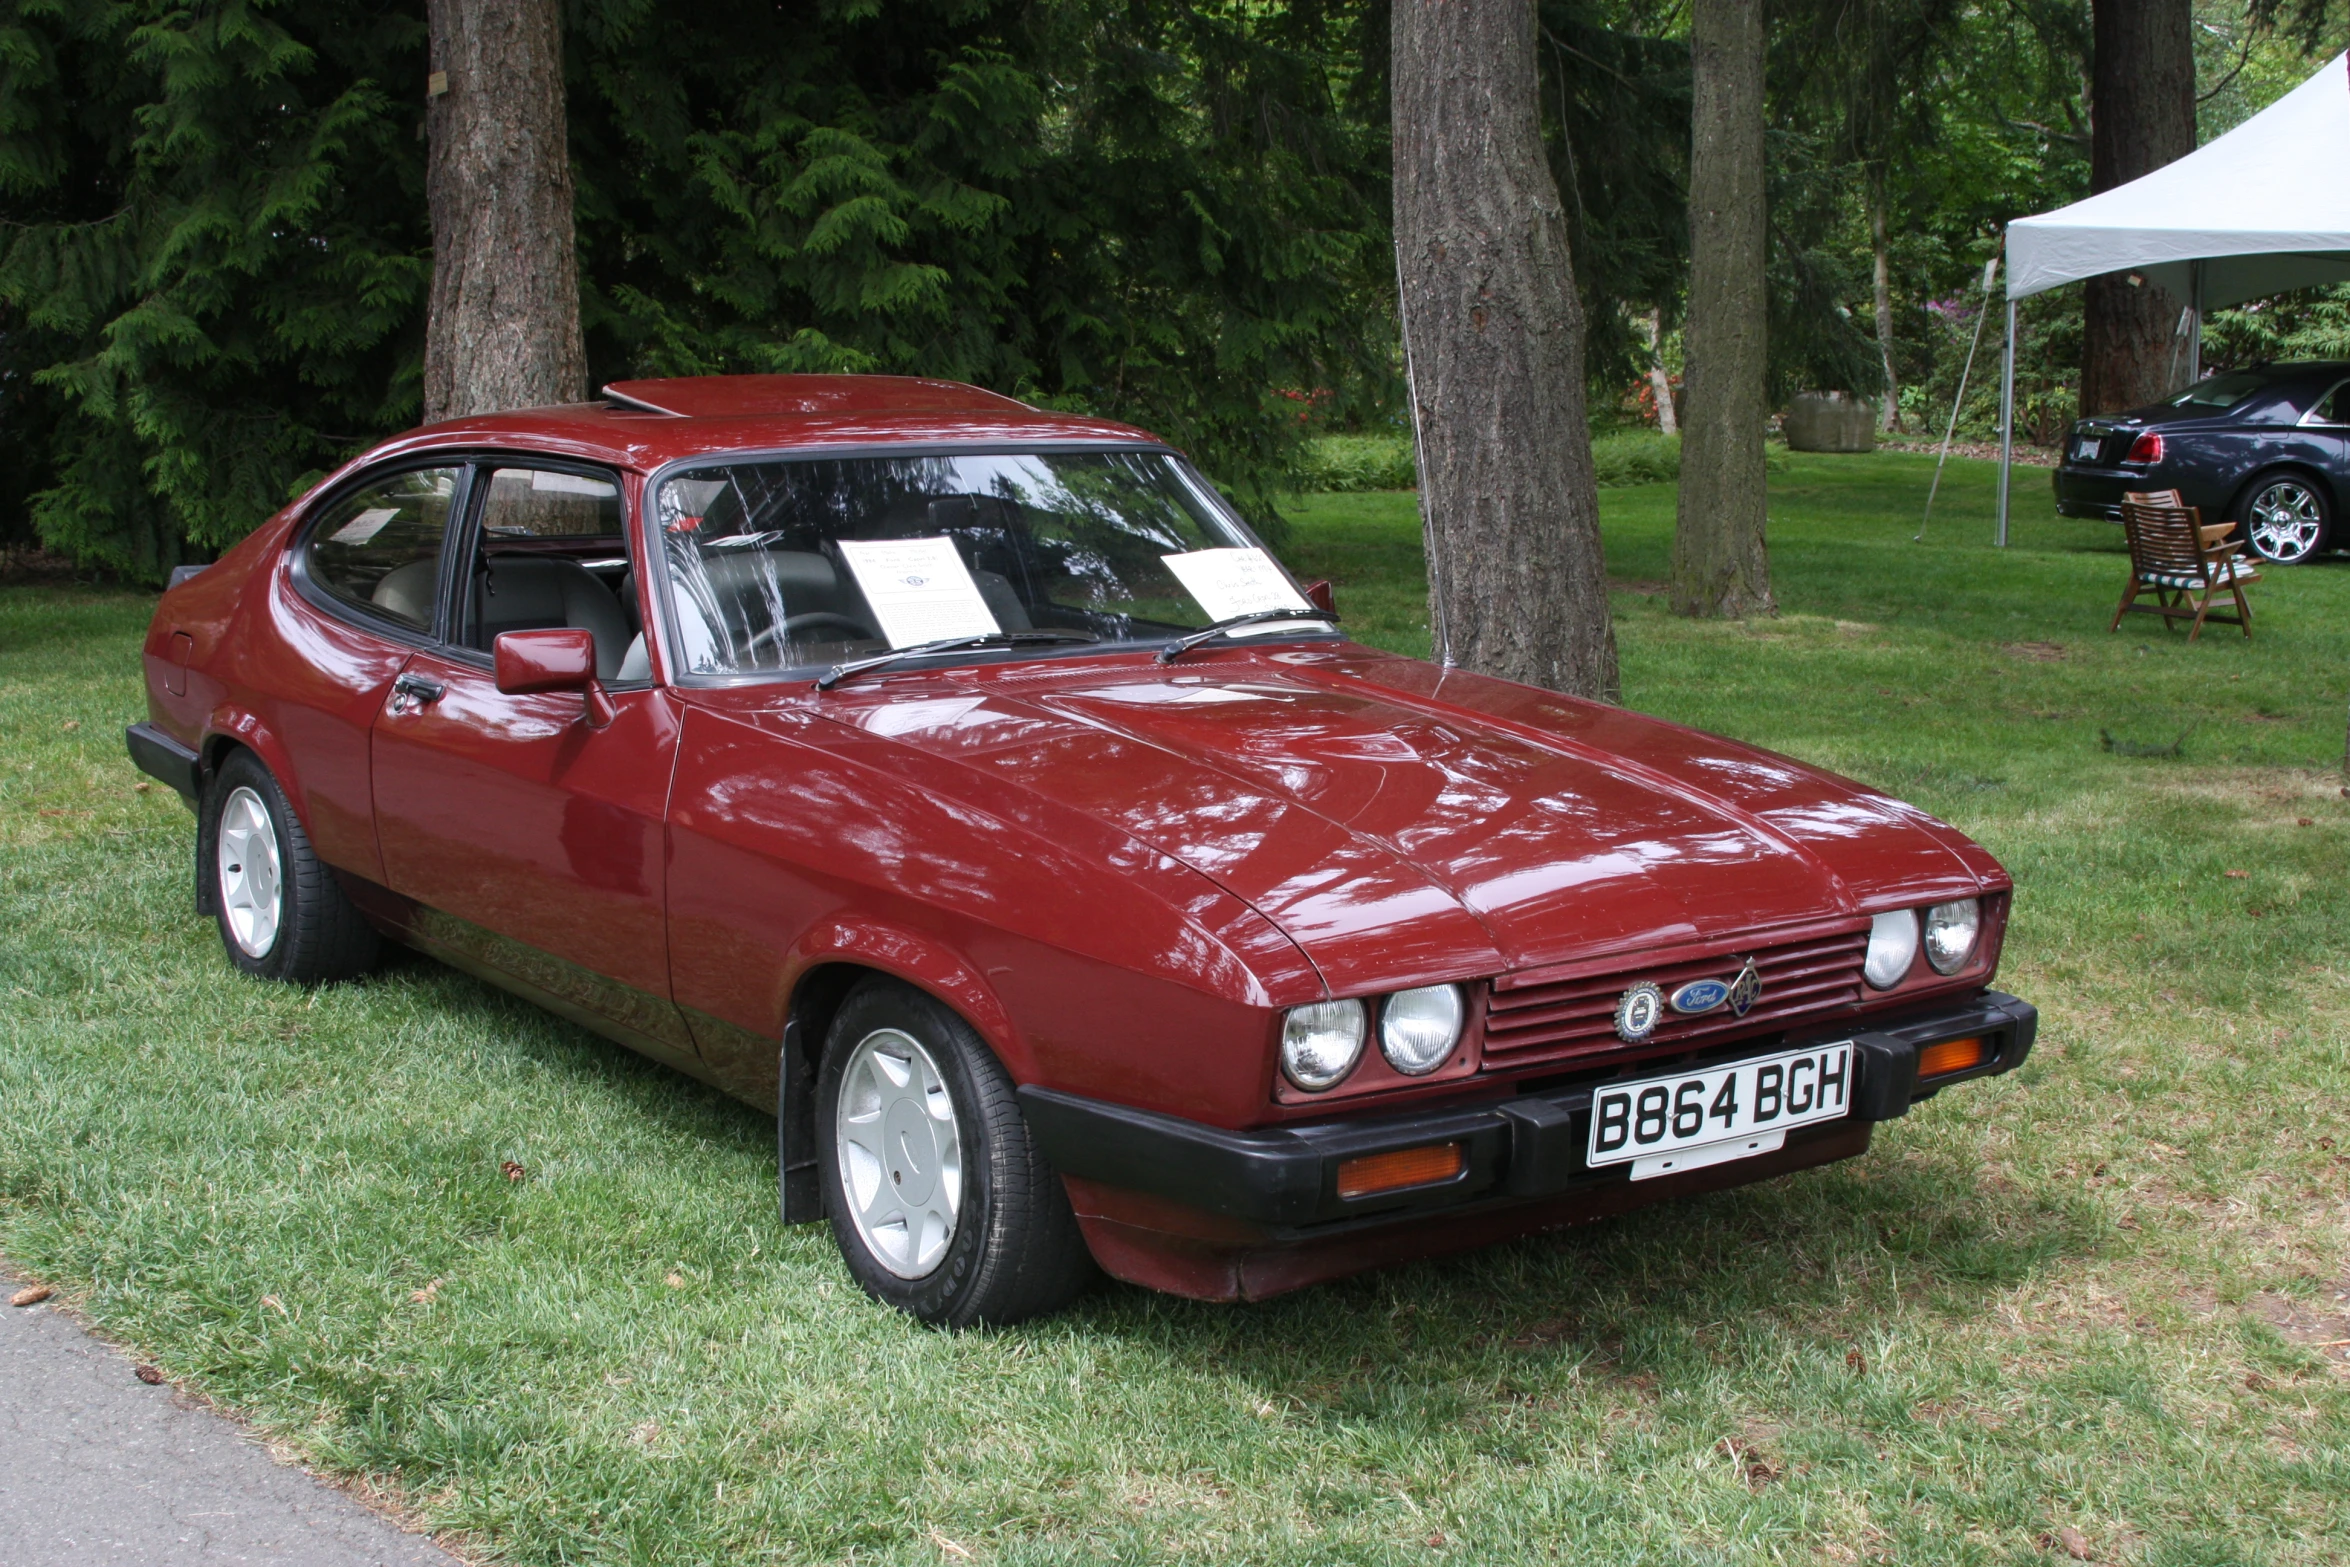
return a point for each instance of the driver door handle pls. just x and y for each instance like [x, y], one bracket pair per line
[410, 692]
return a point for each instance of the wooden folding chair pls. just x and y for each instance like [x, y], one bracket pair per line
[2213, 532]
[2184, 562]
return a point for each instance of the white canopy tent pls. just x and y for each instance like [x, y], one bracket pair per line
[2262, 209]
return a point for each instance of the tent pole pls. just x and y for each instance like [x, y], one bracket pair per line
[1990, 271]
[2006, 418]
[2195, 335]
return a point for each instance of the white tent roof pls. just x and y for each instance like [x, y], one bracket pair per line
[2266, 208]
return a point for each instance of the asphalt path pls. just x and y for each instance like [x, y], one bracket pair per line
[100, 1469]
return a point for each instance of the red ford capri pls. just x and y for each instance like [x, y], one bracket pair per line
[967, 786]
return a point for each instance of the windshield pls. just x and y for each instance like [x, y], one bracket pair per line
[776, 566]
[2220, 391]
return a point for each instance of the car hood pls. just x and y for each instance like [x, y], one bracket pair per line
[1396, 821]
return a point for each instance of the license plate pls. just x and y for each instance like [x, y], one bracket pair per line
[2085, 449]
[1665, 1125]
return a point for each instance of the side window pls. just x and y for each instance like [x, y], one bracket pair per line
[551, 552]
[379, 547]
[541, 503]
[2336, 407]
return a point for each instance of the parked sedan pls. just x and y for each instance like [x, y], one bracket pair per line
[2267, 447]
[965, 786]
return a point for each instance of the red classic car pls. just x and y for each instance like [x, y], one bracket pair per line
[964, 784]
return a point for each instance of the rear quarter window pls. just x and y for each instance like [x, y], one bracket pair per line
[378, 547]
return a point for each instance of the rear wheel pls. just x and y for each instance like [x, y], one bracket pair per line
[282, 915]
[2286, 518]
[939, 1201]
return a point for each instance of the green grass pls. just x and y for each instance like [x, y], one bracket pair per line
[2093, 1296]
[1345, 464]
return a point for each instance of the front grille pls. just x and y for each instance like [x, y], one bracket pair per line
[1563, 1014]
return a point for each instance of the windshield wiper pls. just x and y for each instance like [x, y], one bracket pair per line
[1224, 628]
[839, 672]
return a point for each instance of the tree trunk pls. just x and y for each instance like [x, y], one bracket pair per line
[1720, 566]
[502, 329]
[2141, 116]
[1889, 416]
[1493, 345]
[1668, 422]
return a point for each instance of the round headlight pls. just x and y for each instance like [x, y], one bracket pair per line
[1951, 929]
[1319, 1043]
[1418, 1028]
[1893, 946]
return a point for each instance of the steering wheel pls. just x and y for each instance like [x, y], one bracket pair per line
[792, 625]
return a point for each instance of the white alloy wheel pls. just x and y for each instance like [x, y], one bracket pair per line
[900, 1151]
[252, 879]
[2287, 521]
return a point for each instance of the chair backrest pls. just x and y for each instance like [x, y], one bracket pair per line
[2166, 538]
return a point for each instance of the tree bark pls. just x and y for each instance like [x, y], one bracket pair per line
[1668, 421]
[502, 329]
[1493, 345]
[2141, 116]
[1720, 564]
[1889, 415]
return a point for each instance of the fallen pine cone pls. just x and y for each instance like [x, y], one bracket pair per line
[31, 1295]
[2070, 1541]
[149, 1375]
[513, 1171]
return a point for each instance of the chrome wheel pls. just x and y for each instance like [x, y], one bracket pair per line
[252, 882]
[900, 1151]
[2287, 521]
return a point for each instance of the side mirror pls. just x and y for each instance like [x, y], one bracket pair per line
[1319, 595]
[558, 658]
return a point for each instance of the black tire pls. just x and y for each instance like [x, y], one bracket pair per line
[1013, 1249]
[316, 937]
[2287, 517]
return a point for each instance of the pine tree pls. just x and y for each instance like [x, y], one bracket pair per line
[214, 253]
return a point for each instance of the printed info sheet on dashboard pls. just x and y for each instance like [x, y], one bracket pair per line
[919, 589]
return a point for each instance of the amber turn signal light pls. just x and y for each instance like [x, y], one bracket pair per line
[1952, 1055]
[1392, 1172]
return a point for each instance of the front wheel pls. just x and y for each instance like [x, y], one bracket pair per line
[282, 914]
[939, 1200]
[2286, 518]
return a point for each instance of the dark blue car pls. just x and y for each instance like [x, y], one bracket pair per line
[2268, 447]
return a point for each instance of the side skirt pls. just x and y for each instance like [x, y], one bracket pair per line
[648, 1024]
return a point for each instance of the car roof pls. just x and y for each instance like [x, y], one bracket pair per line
[2293, 372]
[643, 424]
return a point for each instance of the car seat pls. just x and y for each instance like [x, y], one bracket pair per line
[531, 593]
[409, 591]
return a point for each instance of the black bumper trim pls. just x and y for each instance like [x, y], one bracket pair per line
[161, 757]
[1529, 1146]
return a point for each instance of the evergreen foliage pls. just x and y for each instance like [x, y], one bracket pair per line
[212, 256]
[213, 252]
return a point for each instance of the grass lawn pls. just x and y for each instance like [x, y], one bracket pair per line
[2104, 1296]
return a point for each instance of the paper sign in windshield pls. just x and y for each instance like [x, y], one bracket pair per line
[918, 588]
[1231, 582]
[365, 526]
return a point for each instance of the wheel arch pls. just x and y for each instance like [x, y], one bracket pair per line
[834, 963]
[2308, 472]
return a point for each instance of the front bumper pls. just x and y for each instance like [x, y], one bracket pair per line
[1285, 1179]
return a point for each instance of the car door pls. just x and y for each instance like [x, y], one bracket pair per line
[2326, 427]
[532, 840]
[365, 571]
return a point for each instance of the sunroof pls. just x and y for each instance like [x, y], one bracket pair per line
[740, 396]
